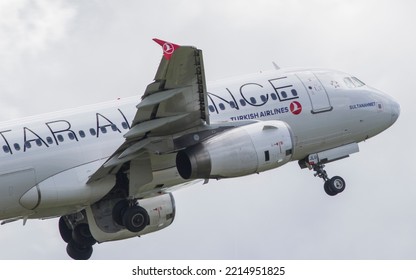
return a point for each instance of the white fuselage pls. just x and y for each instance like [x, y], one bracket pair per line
[45, 161]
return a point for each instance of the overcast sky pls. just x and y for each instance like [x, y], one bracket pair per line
[57, 54]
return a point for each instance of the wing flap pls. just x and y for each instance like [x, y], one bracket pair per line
[133, 149]
[115, 160]
[142, 128]
[158, 97]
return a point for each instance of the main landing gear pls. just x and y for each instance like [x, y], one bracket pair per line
[332, 186]
[75, 230]
[113, 213]
[78, 238]
[130, 215]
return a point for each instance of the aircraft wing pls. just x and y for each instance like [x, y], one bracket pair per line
[172, 106]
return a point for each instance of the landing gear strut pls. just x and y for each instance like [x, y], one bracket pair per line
[332, 186]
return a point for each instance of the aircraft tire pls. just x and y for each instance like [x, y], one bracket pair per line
[136, 218]
[328, 190]
[118, 211]
[78, 252]
[82, 235]
[336, 184]
[65, 231]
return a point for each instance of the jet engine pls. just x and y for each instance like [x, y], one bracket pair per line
[237, 152]
[160, 210]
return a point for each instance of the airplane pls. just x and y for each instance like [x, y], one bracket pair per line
[108, 170]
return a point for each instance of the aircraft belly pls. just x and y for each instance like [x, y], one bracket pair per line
[313, 145]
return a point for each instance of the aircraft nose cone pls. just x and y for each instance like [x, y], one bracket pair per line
[395, 111]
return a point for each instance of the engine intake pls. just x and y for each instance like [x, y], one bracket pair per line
[237, 152]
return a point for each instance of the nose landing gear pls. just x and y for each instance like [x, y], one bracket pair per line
[336, 184]
[332, 186]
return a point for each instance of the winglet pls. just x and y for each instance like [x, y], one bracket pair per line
[168, 48]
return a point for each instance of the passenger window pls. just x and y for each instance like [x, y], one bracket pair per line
[284, 94]
[263, 98]
[232, 104]
[274, 96]
[81, 133]
[6, 149]
[93, 132]
[60, 138]
[253, 100]
[114, 127]
[294, 92]
[125, 126]
[103, 129]
[16, 146]
[242, 102]
[28, 145]
[38, 142]
[49, 140]
[222, 107]
[71, 135]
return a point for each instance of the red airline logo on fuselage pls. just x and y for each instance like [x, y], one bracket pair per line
[295, 108]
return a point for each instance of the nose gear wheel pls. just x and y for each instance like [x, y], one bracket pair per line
[332, 186]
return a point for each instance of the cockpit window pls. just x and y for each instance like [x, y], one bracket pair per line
[353, 82]
[357, 82]
[349, 82]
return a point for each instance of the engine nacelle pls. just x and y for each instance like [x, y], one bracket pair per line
[237, 152]
[161, 211]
